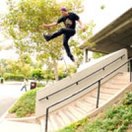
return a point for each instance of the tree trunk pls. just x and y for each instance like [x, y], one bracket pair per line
[55, 70]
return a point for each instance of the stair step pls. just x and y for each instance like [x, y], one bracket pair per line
[70, 116]
[108, 90]
[84, 105]
[102, 96]
[58, 119]
[123, 83]
[119, 81]
[90, 98]
[80, 110]
[91, 102]
[77, 114]
[53, 123]
[63, 117]
[113, 87]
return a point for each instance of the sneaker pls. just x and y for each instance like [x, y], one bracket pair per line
[47, 37]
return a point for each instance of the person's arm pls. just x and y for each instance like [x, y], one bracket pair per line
[81, 25]
[50, 25]
[54, 23]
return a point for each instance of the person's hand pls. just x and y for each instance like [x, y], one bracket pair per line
[45, 25]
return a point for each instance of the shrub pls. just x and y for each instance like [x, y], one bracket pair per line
[37, 74]
[10, 76]
[26, 104]
[39, 84]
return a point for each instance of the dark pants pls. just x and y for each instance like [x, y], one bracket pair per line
[24, 87]
[67, 32]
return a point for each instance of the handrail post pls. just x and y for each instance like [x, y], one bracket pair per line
[98, 94]
[46, 120]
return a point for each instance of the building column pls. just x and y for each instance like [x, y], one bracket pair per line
[86, 59]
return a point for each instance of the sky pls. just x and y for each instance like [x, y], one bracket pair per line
[92, 11]
[113, 9]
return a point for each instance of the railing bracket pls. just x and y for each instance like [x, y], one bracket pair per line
[47, 98]
[76, 83]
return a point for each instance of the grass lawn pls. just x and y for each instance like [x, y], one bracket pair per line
[25, 106]
[116, 119]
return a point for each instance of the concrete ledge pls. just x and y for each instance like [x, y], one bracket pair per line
[25, 119]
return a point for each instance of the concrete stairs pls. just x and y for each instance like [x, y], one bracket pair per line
[76, 110]
[85, 105]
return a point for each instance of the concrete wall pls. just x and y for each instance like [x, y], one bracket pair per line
[92, 67]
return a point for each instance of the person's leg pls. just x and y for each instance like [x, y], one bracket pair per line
[25, 88]
[58, 33]
[67, 48]
[22, 88]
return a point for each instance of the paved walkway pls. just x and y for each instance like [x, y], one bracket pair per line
[19, 127]
[9, 92]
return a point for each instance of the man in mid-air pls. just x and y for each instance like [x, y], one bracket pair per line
[69, 19]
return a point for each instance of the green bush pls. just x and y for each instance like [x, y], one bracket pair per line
[37, 74]
[10, 76]
[39, 84]
[26, 104]
[97, 55]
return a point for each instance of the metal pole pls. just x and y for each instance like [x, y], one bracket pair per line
[98, 94]
[130, 70]
[46, 123]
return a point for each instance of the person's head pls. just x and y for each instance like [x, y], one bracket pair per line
[64, 11]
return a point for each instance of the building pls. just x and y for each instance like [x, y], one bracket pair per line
[115, 36]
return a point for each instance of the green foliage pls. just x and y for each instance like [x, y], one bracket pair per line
[39, 84]
[63, 72]
[128, 100]
[25, 105]
[97, 55]
[10, 76]
[23, 25]
[18, 67]
[49, 75]
[38, 74]
[25, 58]
[2, 67]
[115, 119]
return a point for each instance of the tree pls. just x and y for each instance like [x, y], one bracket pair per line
[37, 74]
[17, 67]
[22, 24]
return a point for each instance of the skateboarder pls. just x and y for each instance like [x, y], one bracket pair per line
[69, 19]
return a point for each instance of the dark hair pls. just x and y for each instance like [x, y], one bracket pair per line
[63, 9]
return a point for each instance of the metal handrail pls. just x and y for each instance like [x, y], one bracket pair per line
[103, 68]
[98, 93]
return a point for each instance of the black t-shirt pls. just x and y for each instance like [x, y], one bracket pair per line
[70, 20]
